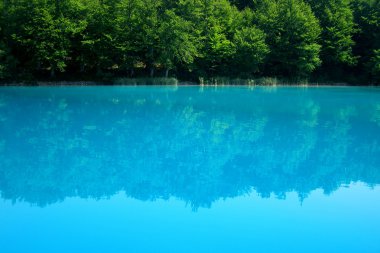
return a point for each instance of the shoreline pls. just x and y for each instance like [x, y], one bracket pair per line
[183, 84]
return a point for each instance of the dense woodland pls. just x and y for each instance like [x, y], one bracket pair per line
[323, 40]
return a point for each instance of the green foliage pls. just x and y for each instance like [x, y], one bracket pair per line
[178, 46]
[218, 24]
[338, 27]
[367, 16]
[251, 49]
[148, 35]
[5, 59]
[98, 39]
[189, 39]
[292, 35]
[3, 62]
[241, 4]
[375, 64]
[43, 38]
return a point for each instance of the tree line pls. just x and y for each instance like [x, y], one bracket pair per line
[326, 40]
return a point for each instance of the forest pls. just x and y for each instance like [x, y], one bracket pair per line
[319, 40]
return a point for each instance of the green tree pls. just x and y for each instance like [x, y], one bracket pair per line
[127, 28]
[241, 4]
[251, 49]
[42, 36]
[194, 38]
[338, 27]
[215, 22]
[292, 35]
[5, 59]
[76, 17]
[4, 51]
[98, 39]
[375, 65]
[178, 46]
[367, 16]
[149, 12]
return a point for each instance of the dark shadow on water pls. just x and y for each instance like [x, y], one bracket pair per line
[197, 145]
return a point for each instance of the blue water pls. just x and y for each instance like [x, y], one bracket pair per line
[189, 169]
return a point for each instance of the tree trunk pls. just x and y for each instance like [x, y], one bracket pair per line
[151, 52]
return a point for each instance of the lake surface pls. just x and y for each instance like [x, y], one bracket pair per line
[189, 169]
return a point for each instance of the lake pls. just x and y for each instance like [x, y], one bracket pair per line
[189, 169]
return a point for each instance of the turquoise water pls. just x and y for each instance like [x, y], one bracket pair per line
[189, 169]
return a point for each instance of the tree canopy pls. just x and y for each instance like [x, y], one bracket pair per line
[332, 40]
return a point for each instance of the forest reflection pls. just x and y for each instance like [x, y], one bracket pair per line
[195, 144]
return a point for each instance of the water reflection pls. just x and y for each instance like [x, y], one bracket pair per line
[197, 145]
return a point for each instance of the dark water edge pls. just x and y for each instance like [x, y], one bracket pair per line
[173, 81]
[180, 83]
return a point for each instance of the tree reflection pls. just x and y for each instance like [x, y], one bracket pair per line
[196, 146]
